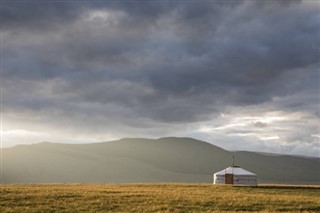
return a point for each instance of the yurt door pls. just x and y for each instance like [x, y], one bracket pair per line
[229, 178]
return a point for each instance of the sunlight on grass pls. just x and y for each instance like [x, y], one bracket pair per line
[157, 198]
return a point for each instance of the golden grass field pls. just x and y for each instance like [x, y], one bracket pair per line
[157, 198]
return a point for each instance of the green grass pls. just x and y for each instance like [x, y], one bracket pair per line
[157, 198]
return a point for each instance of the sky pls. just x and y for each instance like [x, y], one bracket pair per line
[243, 75]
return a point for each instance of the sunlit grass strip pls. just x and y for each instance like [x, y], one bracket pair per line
[157, 198]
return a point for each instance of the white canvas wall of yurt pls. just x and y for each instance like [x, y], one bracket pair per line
[235, 175]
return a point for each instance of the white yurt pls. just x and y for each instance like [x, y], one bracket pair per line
[235, 175]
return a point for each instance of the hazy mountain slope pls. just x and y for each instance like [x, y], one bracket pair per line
[281, 168]
[144, 160]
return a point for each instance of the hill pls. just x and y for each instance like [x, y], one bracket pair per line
[146, 161]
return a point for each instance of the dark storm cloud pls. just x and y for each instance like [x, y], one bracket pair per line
[37, 15]
[186, 55]
[159, 62]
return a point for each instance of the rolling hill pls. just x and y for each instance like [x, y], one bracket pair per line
[146, 161]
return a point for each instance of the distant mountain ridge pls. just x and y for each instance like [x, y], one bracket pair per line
[139, 160]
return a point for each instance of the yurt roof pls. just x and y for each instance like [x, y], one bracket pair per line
[235, 171]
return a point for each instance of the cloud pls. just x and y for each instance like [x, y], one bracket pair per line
[259, 124]
[158, 68]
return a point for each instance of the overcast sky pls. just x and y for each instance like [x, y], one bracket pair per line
[243, 75]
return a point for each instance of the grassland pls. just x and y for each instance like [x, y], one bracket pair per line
[157, 198]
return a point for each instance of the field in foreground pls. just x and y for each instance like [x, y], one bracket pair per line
[157, 198]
